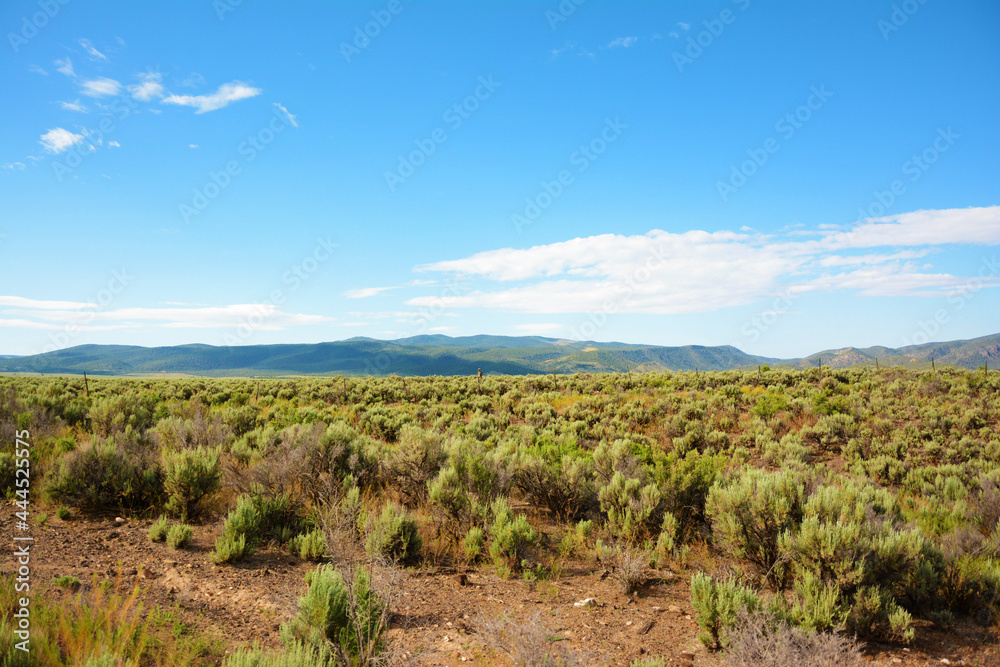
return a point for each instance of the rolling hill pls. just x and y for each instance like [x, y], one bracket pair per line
[445, 355]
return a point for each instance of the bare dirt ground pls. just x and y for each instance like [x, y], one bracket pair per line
[437, 615]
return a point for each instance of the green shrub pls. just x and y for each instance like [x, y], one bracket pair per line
[309, 546]
[717, 605]
[631, 507]
[876, 615]
[473, 544]
[158, 531]
[189, 476]
[750, 512]
[67, 581]
[348, 613]
[394, 535]
[120, 472]
[179, 536]
[63, 512]
[230, 548]
[510, 536]
[297, 654]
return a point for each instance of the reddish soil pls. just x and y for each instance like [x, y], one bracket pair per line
[436, 617]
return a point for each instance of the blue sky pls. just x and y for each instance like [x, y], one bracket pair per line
[783, 177]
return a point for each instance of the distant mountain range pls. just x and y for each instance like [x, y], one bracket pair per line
[444, 355]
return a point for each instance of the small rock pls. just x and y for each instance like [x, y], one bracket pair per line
[896, 661]
[687, 656]
[628, 623]
[589, 602]
[945, 661]
[674, 609]
[119, 520]
[644, 628]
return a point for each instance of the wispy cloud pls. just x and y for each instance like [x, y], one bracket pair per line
[12, 166]
[91, 51]
[623, 42]
[19, 312]
[59, 139]
[149, 86]
[65, 66]
[100, 87]
[37, 70]
[114, 144]
[291, 119]
[73, 106]
[366, 292]
[193, 146]
[225, 95]
[697, 271]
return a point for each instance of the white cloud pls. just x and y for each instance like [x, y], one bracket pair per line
[37, 70]
[289, 116]
[100, 87]
[114, 144]
[32, 313]
[65, 66]
[91, 51]
[73, 106]
[623, 42]
[58, 140]
[11, 166]
[227, 93]
[192, 145]
[148, 88]
[365, 292]
[697, 271]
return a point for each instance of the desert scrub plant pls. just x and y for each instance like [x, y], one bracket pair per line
[158, 530]
[874, 614]
[230, 548]
[750, 512]
[631, 506]
[67, 581]
[346, 611]
[473, 544]
[717, 605]
[298, 654]
[63, 512]
[526, 643]
[564, 486]
[510, 537]
[255, 518]
[189, 476]
[120, 472]
[412, 462]
[393, 534]
[309, 546]
[179, 536]
[760, 639]
[629, 566]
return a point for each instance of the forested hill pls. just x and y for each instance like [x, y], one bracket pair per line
[444, 355]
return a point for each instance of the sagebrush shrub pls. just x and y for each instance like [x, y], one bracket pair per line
[717, 605]
[158, 530]
[510, 536]
[189, 476]
[750, 512]
[309, 546]
[393, 534]
[179, 536]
